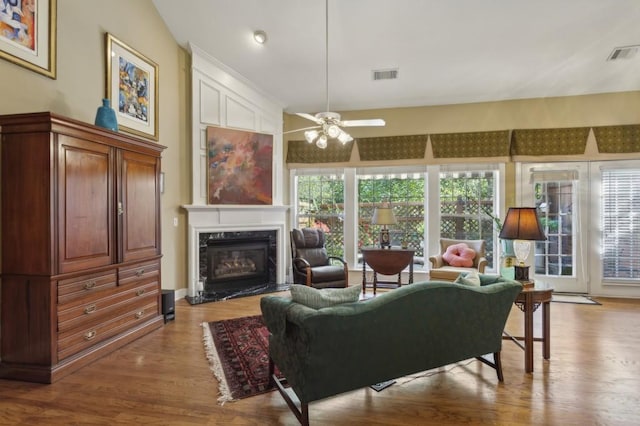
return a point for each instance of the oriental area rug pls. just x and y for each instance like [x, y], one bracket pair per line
[237, 350]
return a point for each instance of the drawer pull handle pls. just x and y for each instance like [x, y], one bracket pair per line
[90, 335]
[90, 309]
[139, 314]
[89, 285]
[139, 272]
[140, 292]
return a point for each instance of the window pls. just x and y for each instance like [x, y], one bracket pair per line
[405, 193]
[621, 224]
[342, 201]
[467, 205]
[554, 198]
[320, 204]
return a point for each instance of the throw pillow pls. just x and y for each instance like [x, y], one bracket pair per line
[459, 255]
[469, 278]
[323, 298]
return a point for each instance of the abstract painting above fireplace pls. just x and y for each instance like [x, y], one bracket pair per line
[239, 167]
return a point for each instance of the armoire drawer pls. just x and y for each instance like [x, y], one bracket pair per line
[138, 273]
[85, 285]
[82, 338]
[87, 312]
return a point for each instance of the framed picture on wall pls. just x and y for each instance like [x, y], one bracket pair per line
[239, 167]
[132, 88]
[28, 34]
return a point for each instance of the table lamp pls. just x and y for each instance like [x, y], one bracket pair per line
[523, 226]
[384, 216]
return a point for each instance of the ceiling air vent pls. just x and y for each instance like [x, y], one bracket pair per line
[390, 74]
[626, 52]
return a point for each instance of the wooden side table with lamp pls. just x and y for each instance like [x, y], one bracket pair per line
[385, 260]
[523, 226]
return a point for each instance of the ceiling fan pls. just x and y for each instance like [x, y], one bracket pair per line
[329, 124]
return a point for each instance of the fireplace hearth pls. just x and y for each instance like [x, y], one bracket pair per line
[236, 264]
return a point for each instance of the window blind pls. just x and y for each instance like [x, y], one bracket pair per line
[621, 224]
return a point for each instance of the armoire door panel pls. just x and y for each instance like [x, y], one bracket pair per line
[140, 213]
[85, 202]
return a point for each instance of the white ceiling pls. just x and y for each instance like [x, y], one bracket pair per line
[447, 51]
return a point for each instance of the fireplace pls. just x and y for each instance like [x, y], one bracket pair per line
[236, 263]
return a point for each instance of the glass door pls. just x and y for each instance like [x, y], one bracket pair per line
[560, 192]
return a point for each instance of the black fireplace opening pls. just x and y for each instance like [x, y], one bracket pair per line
[235, 264]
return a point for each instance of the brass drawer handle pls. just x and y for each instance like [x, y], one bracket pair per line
[90, 309]
[139, 272]
[139, 314]
[89, 285]
[90, 335]
[140, 292]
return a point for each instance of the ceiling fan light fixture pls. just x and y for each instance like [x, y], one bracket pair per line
[344, 137]
[322, 142]
[332, 130]
[260, 36]
[311, 135]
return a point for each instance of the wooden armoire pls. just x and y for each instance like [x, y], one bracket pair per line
[80, 244]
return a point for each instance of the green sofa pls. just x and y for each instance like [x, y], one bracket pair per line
[413, 328]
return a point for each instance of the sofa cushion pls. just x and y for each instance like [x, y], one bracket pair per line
[323, 298]
[459, 255]
[468, 278]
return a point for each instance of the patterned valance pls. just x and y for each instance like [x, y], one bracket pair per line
[618, 139]
[567, 141]
[304, 152]
[472, 144]
[392, 147]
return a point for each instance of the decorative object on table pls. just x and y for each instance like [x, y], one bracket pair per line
[28, 35]
[384, 216]
[106, 116]
[239, 167]
[132, 88]
[237, 350]
[523, 226]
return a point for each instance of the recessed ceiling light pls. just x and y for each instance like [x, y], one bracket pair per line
[260, 36]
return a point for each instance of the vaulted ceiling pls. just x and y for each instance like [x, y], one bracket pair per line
[445, 51]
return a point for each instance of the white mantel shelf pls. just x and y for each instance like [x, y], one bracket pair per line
[228, 207]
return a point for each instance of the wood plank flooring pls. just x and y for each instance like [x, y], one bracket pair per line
[593, 377]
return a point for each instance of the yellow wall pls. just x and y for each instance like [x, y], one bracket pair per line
[80, 86]
[573, 111]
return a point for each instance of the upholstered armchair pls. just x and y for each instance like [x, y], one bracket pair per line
[443, 271]
[311, 264]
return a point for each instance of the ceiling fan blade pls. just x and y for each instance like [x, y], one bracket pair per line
[309, 117]
[360, 123]
[299, 130]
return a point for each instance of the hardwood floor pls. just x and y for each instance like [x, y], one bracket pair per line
[593, 377]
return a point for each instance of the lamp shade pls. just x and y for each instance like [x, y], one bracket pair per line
[522, 223]
[383, 216]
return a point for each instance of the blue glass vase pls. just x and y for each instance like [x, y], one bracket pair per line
[106, 116]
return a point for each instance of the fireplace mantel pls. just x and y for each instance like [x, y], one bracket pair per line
[227, 207]
[233, 218]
